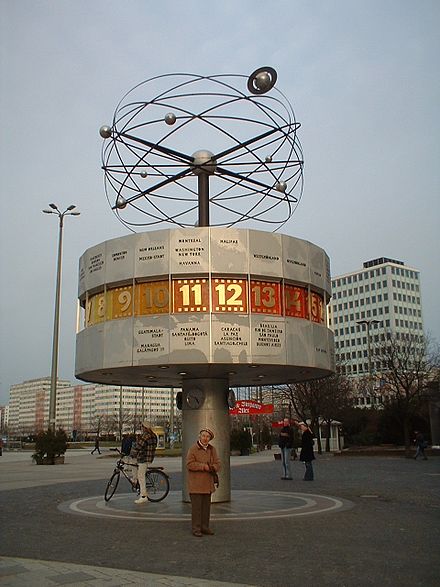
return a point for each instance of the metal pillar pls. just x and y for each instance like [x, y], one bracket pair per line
[56, 330]
[203, 192]
[213, 414]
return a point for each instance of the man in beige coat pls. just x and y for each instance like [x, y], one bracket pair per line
[203, 465]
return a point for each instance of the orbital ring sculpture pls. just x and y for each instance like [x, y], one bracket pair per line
[246, 154]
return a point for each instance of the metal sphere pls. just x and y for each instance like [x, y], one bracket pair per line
[170, 118]
[105, 131]
[205, 162]
[268, 159]
[281, 186]
[121, 202]
[263, 81]
[143, 173]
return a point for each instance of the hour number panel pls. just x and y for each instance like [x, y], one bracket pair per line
[229, 295]
[266, 297]
[119, 302]
[95, 309]
[316, 308]
[153, 297]
[295, 301]
[190, 295]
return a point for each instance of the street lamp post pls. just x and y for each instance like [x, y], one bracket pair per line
[56, 323]
[368, 324]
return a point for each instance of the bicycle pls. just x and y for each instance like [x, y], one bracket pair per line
[157, 481]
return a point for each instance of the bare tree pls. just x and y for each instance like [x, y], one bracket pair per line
[321, 398]
[408, 363]
[336, 395]
[123, 419]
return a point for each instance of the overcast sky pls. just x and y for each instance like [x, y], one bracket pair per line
[363, 78]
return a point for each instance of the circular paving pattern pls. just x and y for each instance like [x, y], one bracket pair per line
[244, 505]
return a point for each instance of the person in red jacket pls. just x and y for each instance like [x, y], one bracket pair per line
[203, 465]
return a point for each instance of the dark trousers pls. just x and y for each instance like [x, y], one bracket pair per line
[200, 512]
[308, 475]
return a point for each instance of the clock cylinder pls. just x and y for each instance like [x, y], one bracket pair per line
[207, 308]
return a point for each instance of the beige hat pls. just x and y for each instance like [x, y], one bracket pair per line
[210, 432]
[146, 424]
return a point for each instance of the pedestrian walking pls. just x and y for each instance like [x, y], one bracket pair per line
[306, 454]
[143, 452]
[285, 442]
[421, 444]
[203, 465]
[96, 445]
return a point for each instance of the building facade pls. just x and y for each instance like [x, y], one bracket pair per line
[383, 298]
[82, 410]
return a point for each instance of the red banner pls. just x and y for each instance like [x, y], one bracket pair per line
[280, 423]
[245, 407]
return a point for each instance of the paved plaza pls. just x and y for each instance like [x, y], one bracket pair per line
[363, 521]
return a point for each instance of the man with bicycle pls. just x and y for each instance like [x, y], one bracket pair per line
[143, 451]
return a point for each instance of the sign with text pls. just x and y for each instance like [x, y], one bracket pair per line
[245, 407]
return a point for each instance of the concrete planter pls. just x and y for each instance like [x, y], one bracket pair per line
[49, 460]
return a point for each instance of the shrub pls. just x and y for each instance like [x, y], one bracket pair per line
[241, 440]
[49, 445]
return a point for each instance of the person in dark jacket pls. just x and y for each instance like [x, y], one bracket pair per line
[285, 442]
[127, 443]
[306, 455]
[421, 444]
[96, 445]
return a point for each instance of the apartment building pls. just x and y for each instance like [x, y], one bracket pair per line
[29, 404]
[381, 298]
[82, 408]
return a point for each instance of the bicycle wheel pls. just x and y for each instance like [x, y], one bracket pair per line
[111, 486]
[158, 485]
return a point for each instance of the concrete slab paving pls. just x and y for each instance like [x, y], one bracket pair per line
[388, 536]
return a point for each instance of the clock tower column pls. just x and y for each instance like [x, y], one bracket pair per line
[205, 405]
